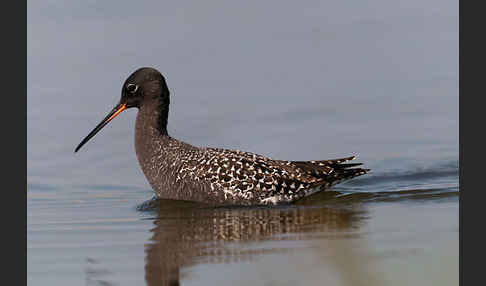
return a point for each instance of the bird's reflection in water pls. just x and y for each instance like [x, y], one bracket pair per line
[187, 234]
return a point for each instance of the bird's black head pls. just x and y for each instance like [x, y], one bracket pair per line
[144, 86]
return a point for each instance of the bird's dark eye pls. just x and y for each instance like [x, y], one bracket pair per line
[132, 88]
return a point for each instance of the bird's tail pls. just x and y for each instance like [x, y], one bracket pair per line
[344, 171]
[334, 171]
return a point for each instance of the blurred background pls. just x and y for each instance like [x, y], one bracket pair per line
[290, 80]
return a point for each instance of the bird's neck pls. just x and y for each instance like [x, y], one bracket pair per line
[158, 154]
[150, 125]
[162, 117]
[152, 117]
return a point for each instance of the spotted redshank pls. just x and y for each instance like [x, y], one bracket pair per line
[177, 170]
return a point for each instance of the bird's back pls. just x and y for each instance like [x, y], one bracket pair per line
[236, 177]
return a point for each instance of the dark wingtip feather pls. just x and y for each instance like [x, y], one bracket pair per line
[349, 165]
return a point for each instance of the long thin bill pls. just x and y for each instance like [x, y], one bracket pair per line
[119, 108]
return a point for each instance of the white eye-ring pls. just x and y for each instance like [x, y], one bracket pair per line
[132, 88]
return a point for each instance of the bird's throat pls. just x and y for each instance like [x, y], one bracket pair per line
[150, 125]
